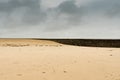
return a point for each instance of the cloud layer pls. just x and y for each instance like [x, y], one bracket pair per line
[60, 18]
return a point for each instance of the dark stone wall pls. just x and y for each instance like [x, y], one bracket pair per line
[90, 42]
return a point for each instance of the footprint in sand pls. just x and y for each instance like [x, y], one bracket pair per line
[43, 72]
[110, 50]
[111, 55]
[65, 71]
[112, 76]
[19, 74]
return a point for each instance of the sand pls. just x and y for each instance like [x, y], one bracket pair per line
[47, 60]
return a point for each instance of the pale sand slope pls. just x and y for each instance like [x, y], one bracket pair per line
[59, 62]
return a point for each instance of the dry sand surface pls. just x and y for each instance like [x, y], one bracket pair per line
[47, 60]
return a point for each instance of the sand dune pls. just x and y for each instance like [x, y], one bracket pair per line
[46, 60]
[25, 42]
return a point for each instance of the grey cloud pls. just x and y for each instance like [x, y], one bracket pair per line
[107, 7]
[75, 15]
[90, 17]
[65, 15]
[95, 7]
[11, 5]
[80, 20]
[68, 7]
[30, 11]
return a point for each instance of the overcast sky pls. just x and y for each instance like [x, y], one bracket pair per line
[60, 19]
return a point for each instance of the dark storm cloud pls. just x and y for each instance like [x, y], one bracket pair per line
[109, 8]
[67, 16]
[29, 9]
[70, 9]
[74, 14]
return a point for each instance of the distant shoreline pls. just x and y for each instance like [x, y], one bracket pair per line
[90, 42]
[75, 42]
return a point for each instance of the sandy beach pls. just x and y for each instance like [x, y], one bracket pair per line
[47, 60]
